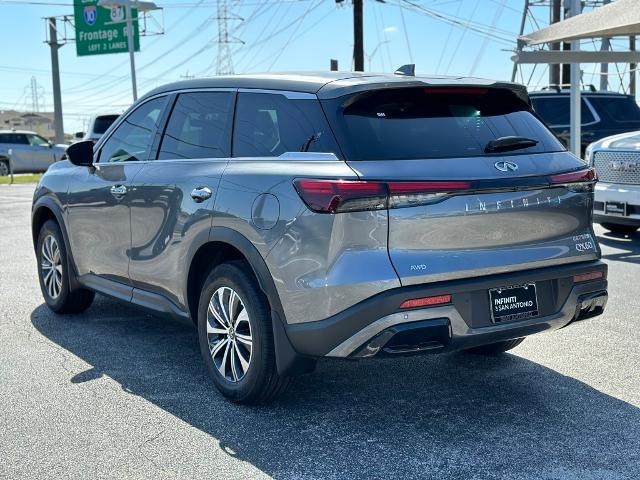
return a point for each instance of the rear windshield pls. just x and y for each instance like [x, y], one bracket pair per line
[101, 124]
[620, 109]
[420, 123]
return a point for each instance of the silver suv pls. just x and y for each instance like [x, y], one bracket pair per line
[22, 151]
[294, 217]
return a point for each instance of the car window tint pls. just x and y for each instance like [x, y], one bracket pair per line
[4, 138]
[269, 125]
[556, 111]
[199, 126]
[420, 123]
[103, 122]
[15, 138]
[621, 108]
[132, 139]
[37, 140]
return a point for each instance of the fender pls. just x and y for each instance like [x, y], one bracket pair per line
[53, 204]
[288, 361]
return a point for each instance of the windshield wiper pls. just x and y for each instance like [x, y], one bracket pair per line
[507, 144]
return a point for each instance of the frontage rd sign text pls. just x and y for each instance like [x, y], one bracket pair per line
[102, 30]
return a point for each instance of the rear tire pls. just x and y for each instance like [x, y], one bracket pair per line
[621, 229]
[4, 168]
[236, 336]
[496, 348]
[53, 273]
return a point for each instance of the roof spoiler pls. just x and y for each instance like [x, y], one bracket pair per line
[408, 70]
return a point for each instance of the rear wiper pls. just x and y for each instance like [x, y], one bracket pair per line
[506, 144]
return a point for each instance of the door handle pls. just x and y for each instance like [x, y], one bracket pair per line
[200, 194]
[118, 190]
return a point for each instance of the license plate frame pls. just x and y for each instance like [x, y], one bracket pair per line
[511, 312]
[618, 209]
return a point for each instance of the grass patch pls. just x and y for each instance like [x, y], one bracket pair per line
[21, 178]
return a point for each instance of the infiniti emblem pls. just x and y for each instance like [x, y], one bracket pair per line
[506, 166]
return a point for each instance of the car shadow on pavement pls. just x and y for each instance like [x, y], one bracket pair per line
[628, 246]
[429, 416]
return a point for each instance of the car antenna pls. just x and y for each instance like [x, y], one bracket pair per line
[408, 70]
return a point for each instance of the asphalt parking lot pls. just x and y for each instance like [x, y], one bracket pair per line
[116, 393]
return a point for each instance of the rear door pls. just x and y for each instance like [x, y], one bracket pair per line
[20, 152]
[175, 192]
[456, 209]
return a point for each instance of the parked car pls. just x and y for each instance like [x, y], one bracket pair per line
[294, 217]
[98, 124]
[27, 151]
[617, 195]
[603, 113]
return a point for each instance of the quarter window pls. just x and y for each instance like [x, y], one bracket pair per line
[199, 126]
[268, 125]
[132, 139]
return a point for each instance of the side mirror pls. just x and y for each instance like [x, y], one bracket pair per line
[50, 143]
[81, 153]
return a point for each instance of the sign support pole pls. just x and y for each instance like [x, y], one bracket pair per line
[131, 51]
[55, 74]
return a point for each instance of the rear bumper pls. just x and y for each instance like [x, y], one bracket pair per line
[377, 326]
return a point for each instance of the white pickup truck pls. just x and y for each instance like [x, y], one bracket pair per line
[617, 194]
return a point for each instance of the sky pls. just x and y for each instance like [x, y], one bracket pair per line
[448, 37]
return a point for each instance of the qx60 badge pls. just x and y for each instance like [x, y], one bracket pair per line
[506, 166]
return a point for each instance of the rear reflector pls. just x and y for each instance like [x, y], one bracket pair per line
[585, 277]
[426, 301]
[587, 175]
[335, 196]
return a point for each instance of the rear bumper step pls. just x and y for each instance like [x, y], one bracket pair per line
[377, 326]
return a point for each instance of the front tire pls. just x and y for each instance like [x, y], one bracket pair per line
[54, 274]
[496, 348]
[621, 229]
[236, 336]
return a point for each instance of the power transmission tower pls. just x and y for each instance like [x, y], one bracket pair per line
[224, 64]
[36, 95]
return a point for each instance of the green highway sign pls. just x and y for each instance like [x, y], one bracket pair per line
[101, 30]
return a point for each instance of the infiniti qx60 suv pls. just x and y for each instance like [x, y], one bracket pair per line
[294, 217]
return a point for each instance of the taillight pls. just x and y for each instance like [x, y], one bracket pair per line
[581, 176]
[336, 196]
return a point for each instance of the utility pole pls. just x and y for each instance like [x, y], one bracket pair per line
[358, 36]
[554, 69]
[55, 74]
[605, 46]
[632, 67]
[575, 113]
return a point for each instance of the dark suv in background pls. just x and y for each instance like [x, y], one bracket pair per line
[603, 113]
[342, 215]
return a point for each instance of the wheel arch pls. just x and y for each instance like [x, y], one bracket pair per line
[226, 244]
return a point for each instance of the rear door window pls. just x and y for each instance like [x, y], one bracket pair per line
[619, 108]
[422, 123]
[199, 126]
[270, 124]
[556, 111]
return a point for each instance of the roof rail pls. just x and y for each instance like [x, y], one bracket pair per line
[565, 86]
[408, 70]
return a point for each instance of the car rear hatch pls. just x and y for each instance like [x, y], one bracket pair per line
[464, 196]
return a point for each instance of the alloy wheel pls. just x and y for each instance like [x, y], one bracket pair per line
[51, 266]
[229, 334]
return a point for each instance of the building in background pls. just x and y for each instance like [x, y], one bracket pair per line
[39, 122]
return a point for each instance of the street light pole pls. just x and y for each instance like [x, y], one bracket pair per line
[132, 60]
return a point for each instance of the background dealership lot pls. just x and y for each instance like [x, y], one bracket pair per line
[117, 393]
